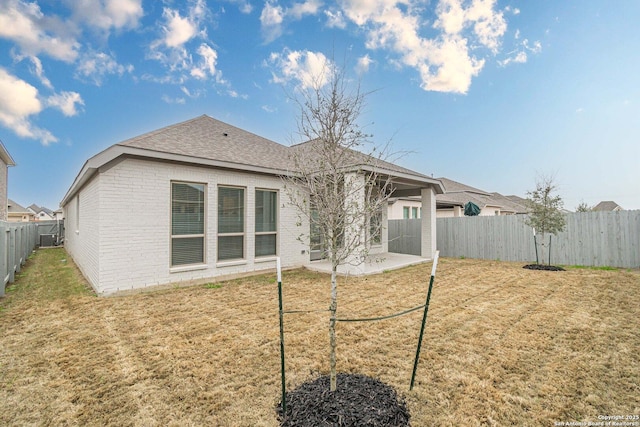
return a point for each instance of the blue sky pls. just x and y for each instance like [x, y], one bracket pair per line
[488, 93]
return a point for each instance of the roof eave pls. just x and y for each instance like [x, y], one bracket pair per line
[96, 162]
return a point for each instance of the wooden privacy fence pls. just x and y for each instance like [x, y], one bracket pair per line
[590, 238]
[404, 236]
[17, 240]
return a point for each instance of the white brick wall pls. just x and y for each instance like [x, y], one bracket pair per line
[134, 235]
[82, 234]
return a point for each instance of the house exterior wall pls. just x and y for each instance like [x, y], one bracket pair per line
[395, 210]
[134, 248]
[82, 237]
[4, 180]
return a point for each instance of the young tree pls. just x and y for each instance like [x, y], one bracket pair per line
[333, 184]
[546, 216]
[583, 207]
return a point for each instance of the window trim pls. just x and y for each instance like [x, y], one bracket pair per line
[266, 233]
[234, 234]
[196, 265]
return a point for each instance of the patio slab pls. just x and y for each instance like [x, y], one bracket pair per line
[375, 264]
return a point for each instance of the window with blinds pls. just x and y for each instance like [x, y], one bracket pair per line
[187, 223]
[266, 222]
[231, 229]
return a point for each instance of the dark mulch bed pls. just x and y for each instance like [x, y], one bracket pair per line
[358, 401]
[543, 267]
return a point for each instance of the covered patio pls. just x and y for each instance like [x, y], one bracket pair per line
[375, 264]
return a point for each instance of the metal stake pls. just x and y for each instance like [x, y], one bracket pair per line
[284, 387]
[424, 319]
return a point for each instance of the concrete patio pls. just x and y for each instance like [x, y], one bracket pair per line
[375, 264]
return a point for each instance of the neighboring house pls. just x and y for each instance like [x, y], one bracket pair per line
[208, 202]
[17, 213]
[411, 207]
[5, 161]
[452, 202]
[41, 213]
[58, 214]
[608, 206]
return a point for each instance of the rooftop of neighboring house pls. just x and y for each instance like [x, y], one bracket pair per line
[459, 193]
[37, 209]
[14, 207]
[608, 206]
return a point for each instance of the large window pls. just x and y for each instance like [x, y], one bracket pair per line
[266, 222]
[230, 223]
[187, 223]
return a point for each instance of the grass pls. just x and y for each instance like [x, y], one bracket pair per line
[603, 268]
[503, 346]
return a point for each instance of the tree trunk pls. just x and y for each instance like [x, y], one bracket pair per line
[332, 326]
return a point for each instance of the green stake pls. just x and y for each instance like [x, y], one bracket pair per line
[284, 387]
[424, 319]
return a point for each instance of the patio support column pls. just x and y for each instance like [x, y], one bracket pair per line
[457, 211]
[428, 222]
[355, 224]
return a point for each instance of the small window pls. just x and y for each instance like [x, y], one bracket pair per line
[405, 212]
[231, 230]
[266, 222]
[414, 212]
[187, 223]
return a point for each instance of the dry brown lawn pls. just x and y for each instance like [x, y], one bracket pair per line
[503, 346]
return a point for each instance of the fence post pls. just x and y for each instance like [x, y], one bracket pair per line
[4, 267]
[11, 249]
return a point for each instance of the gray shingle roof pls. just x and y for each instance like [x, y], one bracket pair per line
[353, 158]
[207, 138]
[208, 141]
[607, 205]
[453, 187]
[15, 207]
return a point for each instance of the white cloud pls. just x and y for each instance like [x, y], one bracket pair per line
[363, 64]
[446, 61]
[95, 66]
[273, 16]
[106, 14]
[169, 100]
[207, 65]
[269, 109]
[335, 19]
[178, 29]
[176, 48]
[299, 10]
[18, 101]
[35, 33]
[66, 102]
[271, 19]
[309, 69]
[519, 56]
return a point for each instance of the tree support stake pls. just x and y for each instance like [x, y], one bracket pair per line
[424, 319]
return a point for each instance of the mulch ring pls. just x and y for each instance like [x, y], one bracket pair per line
[543, 267]
[358, 401]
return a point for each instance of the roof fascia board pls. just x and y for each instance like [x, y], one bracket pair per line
[101, 159]
[5, 156]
